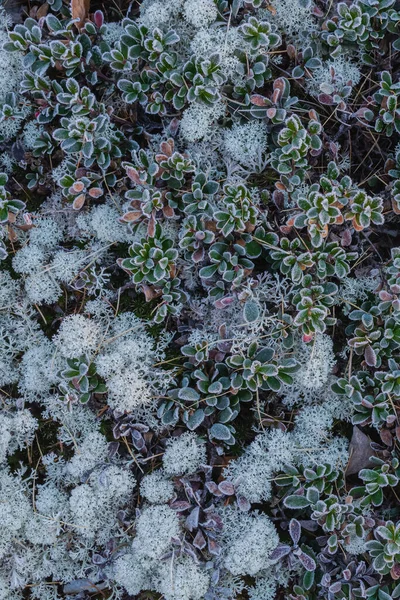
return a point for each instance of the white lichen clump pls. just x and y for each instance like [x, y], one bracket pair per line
[184, 454]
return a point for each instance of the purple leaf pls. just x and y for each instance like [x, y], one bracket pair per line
[307, 562]
[335, 587]
[243, 503]
[180, 505]
[370, 356]
[295, 531]
[112, 449]
[176, 541]
[309, 525]
[190, 551]
[213, 488]
[192, 521]
[347, 574]
[213, 547]
[279, 552]
[199, 541]
[224, 302]
[325, 99]
[137, 440]
[215, 577]
[227, 488]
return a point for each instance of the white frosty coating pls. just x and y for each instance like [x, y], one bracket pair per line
[264, 589]
[200, 13]
[291, 16]
[66, 265]
[102, 222]
[77, 335]
[246, 143]
[198, 121]
[41, 288]
[308, 444]
[187, 581]
[249, 540]
[17, 431]
[89, 453]
[154, 529]
[184, 454]
[156, 488]
[46, 233]
[317, 361]
[126, 363]
[28, 259]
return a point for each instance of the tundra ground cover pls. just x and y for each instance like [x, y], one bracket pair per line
[199, 300]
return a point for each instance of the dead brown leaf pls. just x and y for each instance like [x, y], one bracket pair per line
[360, 452]
[42, 11]
[80, 10]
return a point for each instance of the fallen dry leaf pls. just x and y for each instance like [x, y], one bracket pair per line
[360, 452]
[42, 10]
[80, 10]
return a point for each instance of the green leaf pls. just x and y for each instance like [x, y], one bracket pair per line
[251, 311]
[295, 502]
[189, 394]
[196, 419]
[220, 432]
[60, 134]
[170, 417]
[208, 272]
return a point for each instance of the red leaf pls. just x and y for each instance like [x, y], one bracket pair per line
[279, 88]
[346, 238]
[168, 211]
[199, 541]
[98, 18]
[326, 99]
[257, 100]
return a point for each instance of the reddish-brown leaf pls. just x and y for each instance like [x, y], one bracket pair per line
[133, 174]
[386, 437]
[79, 202]
[77, 187]
[95, 192]
[133, 215]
